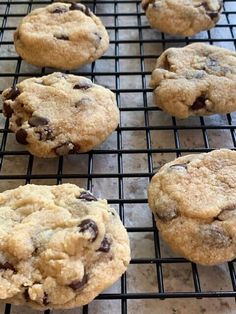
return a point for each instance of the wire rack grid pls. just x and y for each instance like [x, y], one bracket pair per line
[121, 168]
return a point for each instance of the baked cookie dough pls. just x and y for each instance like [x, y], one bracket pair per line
[198, 79]
[182, 17]
[61, 35]
[193, 199]
[60, 113]
[60, 246]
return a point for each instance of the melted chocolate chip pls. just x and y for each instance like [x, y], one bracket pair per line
[64, 149]
[45, 134]
[79, 284]
[59, 10]
[105, 245]
[91, 226]
[83, 101]
[179, 166]
[211, 62]
[145, 6]
[18, 121]
[199, 103]
[13, 93]
[61, 37]
[37, 121]
[226, 213]
[166, 214]
[82, 8]
[45, 299]
[21, 136]
[195, 75]
[7, 266]
[83, 85]
[212, 14]
[88, 196]
[75, 149]
[26, 294]
[215, 236]
[7, 110]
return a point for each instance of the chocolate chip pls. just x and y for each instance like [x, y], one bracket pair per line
[98, 37]
[18, 121]
[226, 213]
[83, 101]
[45, 134]
[195, 74]
[199, 103]
[45, 299]
[214, 236]
[26, 294]
[59, 10]
[145, 6]
[61, 37]
[88, 196]
[64, 149]
[91, 226]
[82, 8]
[166, 64]
[105, 245]
[179, 166]
[37, 121]
[211, 62]
[7, 266]
[166, 214]
[7, 110]
[83, 85]
[13, 93]
[75, 149]
[79, 284]
[21, 136]
[212, 14]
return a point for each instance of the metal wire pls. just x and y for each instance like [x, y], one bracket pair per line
[203, 128]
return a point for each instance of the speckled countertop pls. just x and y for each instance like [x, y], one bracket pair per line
[140, 277]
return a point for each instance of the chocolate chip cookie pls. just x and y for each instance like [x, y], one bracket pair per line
[60, 246]
[198, 79]
[193, 199]
[61, 35]
[182, 17]
[60, 113]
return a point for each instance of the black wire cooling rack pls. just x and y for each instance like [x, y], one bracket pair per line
[126, 69]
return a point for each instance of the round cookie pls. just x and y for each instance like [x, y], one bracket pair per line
[198, 79]
[182, 17]
[60, 246]
[60, 113]
[61, 35]
[193, 199]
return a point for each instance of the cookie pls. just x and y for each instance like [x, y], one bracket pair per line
[182, 17]
[60, 113]
[60, 246]
[61, 35]
[193, 199]
[198, 79]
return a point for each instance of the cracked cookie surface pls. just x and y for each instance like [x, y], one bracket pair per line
[61, 35]
[193, 199]
[60, 113]
[182, 17]
[60, 246]
[198, 79]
